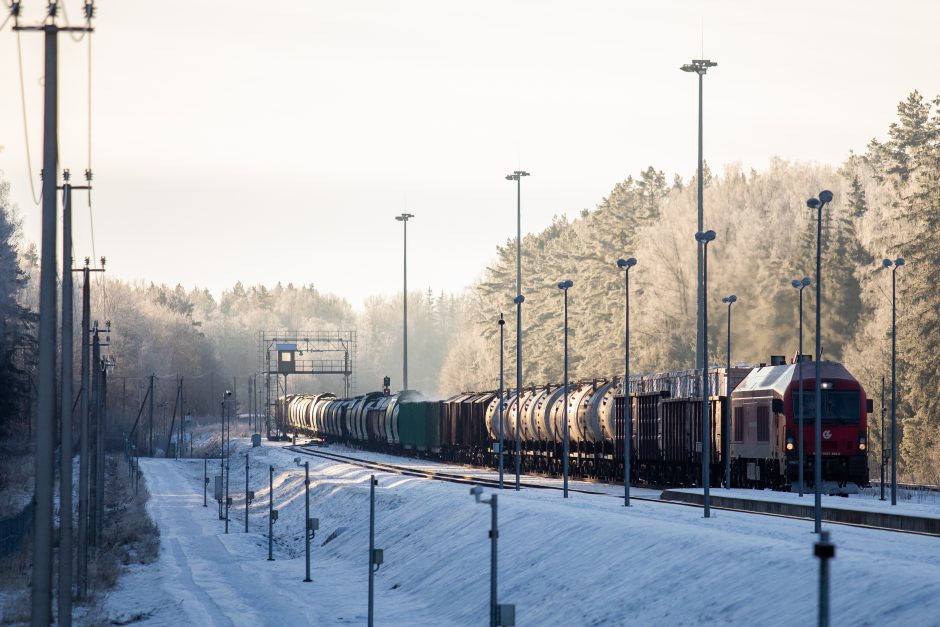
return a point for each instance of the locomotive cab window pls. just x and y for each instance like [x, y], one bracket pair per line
[838, 406]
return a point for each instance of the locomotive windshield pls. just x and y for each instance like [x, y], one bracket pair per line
[838, 406]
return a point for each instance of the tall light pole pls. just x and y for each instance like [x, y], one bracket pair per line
[626, 264]
[403, 218]
[894, 390]
[825, 197]
[800, 284]
[227, 443]
[726, 428]
[517, 177]
[704, 238]
[700, 67]
[502, 439]
[565, 286]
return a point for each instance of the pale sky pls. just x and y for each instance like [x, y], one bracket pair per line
[276, 141]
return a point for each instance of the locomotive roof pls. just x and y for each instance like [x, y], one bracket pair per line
[779, 378]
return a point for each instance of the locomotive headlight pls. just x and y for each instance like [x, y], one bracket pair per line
[862, 442]
[789, 442]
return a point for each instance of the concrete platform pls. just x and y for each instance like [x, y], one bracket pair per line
[918, 523]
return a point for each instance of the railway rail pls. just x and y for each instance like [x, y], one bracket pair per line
[452, 477]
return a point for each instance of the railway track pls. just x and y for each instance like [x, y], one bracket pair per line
[452, 477]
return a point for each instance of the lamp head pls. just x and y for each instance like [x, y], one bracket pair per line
[796, 283]
[899, 262]
[626, 263]
[729, 299]
[510, 177]
[887, 263]
[706, 237]
[564, 285]
[806, 281]
[825, 196]
[813, 203]
[519, 173]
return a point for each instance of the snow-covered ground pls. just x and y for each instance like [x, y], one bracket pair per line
[584, 561]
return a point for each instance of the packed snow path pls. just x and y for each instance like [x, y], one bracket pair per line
[587, 560]
[215, 577]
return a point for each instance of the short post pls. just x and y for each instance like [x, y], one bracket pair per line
[307, 517]
[375, 555]
[205, 481]
[825, 551]
[494, 535]
[271, 514]
[499, 614]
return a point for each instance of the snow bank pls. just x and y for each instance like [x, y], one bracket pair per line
[587, 560]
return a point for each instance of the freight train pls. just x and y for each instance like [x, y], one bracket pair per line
[760, 418]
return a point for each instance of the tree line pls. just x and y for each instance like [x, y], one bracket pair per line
[887, 205]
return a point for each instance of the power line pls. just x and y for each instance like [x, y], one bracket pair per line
[65, 15]
[29, 159]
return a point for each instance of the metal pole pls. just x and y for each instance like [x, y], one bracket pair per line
[706, 432]
[102, 400]
[817, 464]
[502, 439]
[94, 493]
[246, 491]
[494, 535]
[66, 453]
[800, 421]
[270, 513]
[405, 304]
[627, 401]
[307, 518]
[727, 429]
[226, 412]
[150, 444]
[45, 424]
[84, 468]
[825, 551]
[205, 481]
[699, 344]
[519, 299]
[565, 461]
[882, 439]
[894, 389]
[372, 483]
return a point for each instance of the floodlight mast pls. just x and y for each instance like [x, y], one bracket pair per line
[700, 67]
[403, 218]
[517, 177]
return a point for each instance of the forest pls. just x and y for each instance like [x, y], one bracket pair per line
[887, 204]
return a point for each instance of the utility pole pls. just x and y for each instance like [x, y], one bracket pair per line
[150, 445]
[41, 598]
[65, 471]
[84, 470]
[96, 458]
[101, 428]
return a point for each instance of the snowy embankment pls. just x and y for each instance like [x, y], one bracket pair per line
[587, 560]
